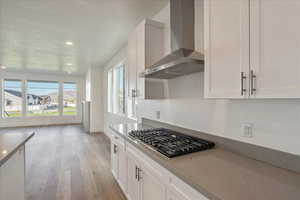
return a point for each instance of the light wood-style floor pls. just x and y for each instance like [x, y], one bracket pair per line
[64, 163]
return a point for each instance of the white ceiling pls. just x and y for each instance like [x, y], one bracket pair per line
[33, 32]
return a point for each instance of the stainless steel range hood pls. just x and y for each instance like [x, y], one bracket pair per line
[184, 59]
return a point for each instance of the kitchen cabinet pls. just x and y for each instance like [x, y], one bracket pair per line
[251, 49]
[119, 161]
[114, 160]
[146, 179]
[152, 186]
[226, 47]
[145, 47]
[275, 47]
[12, 177]
[132, 176]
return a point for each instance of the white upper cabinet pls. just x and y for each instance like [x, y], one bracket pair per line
[226, 47]
[131, 61]
[275, 48]
[145, 48]
[259, 38]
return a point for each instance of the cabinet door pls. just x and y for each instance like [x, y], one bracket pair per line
[132, 181]
[226, 47]
[132, 75]
[12, 177]
[173, 195]
[275, 47]
[114, 160]
[122, 167]
[152, 186]
[132, 64]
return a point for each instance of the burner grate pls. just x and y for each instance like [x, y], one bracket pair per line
[171, 143]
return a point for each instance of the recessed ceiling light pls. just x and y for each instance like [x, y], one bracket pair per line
[3, 67]
[69, 64]
[69, 43]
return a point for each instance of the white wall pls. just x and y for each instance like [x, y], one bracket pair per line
[44, 120]
[111, 118]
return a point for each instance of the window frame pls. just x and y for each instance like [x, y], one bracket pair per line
[24, 80]
[62, 98]
[111, 92]
[3, 98]
[26, 100]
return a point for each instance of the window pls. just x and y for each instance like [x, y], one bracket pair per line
[42, 98]
[110, 90]
[70, 99]
[13, 98]
[116, 90]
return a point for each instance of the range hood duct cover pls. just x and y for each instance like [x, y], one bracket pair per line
[184, 59]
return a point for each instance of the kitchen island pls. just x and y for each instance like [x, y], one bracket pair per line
[12, 165]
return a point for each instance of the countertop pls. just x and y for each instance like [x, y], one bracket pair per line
[220, 174]
[10, 143]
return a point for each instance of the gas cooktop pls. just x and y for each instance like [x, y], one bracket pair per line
[170, 143]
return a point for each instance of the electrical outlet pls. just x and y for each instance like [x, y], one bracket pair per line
[157, 113]
[248, 130]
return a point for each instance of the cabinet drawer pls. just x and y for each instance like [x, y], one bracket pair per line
[117, 139]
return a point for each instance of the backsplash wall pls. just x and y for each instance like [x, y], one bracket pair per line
[276, 122]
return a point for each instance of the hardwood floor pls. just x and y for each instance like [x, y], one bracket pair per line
[64, 163]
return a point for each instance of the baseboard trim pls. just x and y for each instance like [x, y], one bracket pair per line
[44, 125]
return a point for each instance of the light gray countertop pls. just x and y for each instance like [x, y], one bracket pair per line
[10, 143]
[223, 175]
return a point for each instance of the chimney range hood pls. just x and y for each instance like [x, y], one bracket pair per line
[184, 59]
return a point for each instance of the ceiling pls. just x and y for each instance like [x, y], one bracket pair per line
[33, 33]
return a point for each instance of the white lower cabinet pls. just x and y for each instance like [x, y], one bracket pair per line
[12, 177]
[132, 176]
[141, 178]
[119, 161]
[152, 185]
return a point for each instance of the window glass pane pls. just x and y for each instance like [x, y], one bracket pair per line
[42, 98]
[119, 90]
[12, 98]
[109, 90]
[70, 99]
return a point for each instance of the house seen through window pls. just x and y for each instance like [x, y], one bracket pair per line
[42, 98]
[13, 98]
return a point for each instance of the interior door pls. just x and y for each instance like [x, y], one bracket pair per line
[152, 186]
[132, 179]
[275, 47]
[226, 48]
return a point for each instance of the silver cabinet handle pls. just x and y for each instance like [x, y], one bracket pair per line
[139, 174]
[133, 93]
[136, 172]
[115, 148]
[243, 78]
[252, 86]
